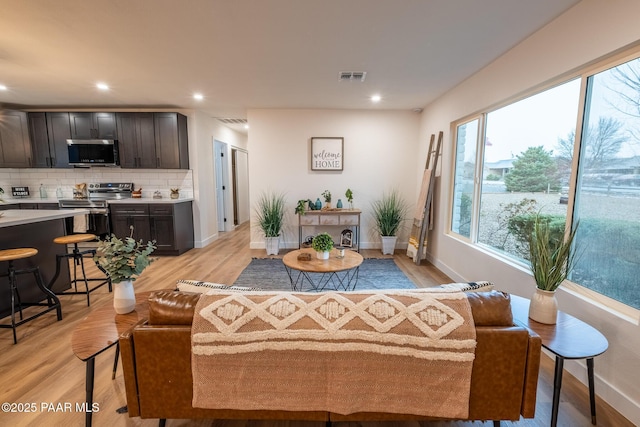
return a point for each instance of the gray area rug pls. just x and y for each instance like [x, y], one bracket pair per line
[270, 274]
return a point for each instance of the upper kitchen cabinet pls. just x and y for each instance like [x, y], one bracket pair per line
[136, 139]
[93, 125]
[15, 149]
[49, 133]
[172, 145]
[153, 140]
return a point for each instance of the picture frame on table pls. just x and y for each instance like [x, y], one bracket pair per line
[327, 154]
[346, 238]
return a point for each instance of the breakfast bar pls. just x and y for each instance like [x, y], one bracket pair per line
[34, 229]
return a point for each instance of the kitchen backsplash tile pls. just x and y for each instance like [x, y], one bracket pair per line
[150, 180]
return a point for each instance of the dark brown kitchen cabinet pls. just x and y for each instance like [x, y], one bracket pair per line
[171, 227]
[49, 133]
[15, 148]
[136, 139]
[172, 151]
[125, 216]
[35, 205]
[93, 125]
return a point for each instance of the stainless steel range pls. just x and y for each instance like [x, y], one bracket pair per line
[99, 194]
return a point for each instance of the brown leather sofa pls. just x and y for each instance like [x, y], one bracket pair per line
[156, 359]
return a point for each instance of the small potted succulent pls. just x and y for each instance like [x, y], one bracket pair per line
[322, 244]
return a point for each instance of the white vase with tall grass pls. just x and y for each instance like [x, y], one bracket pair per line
[551, 259]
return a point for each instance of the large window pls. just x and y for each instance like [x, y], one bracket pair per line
[608, 191]
[466, 142]
[523, 172]
[523, 158]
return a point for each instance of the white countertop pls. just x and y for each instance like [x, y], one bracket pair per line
[166, 200]
[29, 200]
[115, 201]
[13, 217]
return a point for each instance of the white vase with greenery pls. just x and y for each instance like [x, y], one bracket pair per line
[322, 244]
[388, 214]
[270, 218]
[551, 260]
[123, 260]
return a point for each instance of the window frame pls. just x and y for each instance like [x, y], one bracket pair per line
[583, 73]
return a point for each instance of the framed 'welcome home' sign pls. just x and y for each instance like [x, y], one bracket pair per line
[327, 154]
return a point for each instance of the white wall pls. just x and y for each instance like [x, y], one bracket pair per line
[588, 31]
[203, 130]
[380, 148]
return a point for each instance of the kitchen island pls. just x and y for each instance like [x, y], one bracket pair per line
[33, 229]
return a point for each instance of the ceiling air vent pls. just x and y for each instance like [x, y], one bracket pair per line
[352, 76]
[228, 121]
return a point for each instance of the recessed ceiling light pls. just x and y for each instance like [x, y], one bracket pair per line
[198, 96]
[3, 87]
[102, 86]
[376, 98]
[246, 126]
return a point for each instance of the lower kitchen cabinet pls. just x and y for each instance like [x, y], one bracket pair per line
[172, 227]
[169, 224]
[123, 217]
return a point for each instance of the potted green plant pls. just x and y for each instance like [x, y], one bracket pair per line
[326, 194]
[388, 213]
[300, 207]
[322, 244]
[270, 218]
[551, 260]
[123, 260]
[349, 195]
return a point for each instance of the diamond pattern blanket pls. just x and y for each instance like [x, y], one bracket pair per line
[393, 351]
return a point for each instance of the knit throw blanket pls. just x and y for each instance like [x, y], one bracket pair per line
[404, 352]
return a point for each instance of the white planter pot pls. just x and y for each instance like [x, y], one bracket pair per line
[544, 307]
[272, 244]
[388, 244]
[124, 299]
[322, 255]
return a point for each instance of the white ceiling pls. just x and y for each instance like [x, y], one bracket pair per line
[244, 54]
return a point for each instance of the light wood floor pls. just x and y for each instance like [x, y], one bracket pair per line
[42, 370]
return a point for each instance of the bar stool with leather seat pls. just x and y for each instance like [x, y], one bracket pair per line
[78, 257]
[53, 303]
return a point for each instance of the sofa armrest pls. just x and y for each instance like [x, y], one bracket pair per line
[499, 373]
[531, 376]
[127, 356]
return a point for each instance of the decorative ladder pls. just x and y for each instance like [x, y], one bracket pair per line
[423, 215]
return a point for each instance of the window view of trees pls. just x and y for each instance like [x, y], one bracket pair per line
[608, 190]
[521, 150]
[527, 158]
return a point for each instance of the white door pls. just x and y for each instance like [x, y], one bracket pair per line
[241, 185]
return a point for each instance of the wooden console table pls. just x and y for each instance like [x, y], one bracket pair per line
[569, 338]
[343, 218]
[98, 332]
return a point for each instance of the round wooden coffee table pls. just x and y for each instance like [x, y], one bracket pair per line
[317, 274]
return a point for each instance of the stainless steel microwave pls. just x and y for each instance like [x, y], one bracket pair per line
[93, 152]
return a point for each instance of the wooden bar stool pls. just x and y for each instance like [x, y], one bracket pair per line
[53, 303]
[78, 260]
